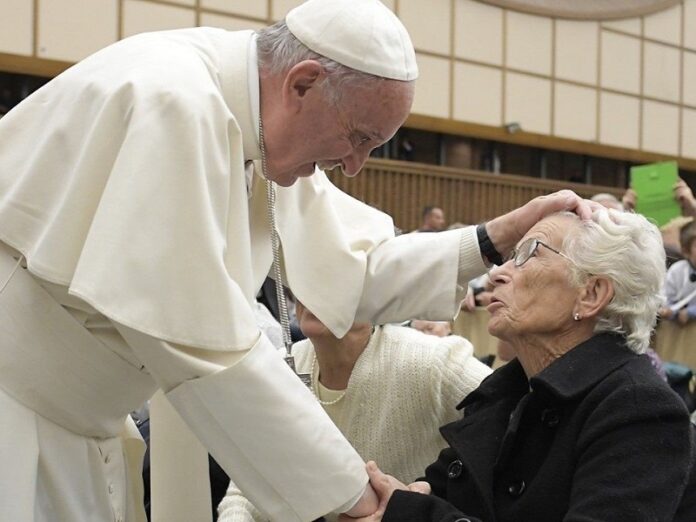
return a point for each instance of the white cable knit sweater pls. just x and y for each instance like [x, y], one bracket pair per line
[404, 386]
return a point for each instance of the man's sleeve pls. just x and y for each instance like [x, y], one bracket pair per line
[260, 423]
[423, 276]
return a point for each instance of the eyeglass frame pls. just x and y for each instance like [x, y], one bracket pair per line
[514, 254]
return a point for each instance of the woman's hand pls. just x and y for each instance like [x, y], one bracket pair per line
[665, 312]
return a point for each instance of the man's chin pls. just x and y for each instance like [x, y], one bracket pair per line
[286, 181]
[326, 167]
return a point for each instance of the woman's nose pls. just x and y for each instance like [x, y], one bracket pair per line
[500, 274]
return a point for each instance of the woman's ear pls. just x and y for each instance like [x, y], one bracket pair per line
[594, 296]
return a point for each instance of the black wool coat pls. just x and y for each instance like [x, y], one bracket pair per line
[596, 436]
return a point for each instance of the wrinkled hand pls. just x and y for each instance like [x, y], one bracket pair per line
[484, 298]
[628, 200]
[685, 197]
[505, 231]
[384, 485]
[683, 317]
[437, 328]
[665, 312]
[469, 303]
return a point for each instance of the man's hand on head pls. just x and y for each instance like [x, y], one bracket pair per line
[505, 231]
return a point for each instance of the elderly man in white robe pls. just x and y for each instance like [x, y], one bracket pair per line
[134, 233]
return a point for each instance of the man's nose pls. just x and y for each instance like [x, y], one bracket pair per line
[353, 162]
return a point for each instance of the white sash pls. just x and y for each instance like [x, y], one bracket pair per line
[52, 365]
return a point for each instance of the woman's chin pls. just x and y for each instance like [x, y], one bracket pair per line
[496, 329]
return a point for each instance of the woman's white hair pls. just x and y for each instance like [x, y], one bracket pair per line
[627, 249]
[279, 50]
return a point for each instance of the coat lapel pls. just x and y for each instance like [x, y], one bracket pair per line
[478, 436]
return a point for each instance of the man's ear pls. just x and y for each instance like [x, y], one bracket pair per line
[299, 80]
[594, 296]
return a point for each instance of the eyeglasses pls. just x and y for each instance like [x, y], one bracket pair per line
[522, 253]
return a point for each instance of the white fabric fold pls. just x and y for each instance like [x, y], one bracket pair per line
[269, 405]
[436, 283]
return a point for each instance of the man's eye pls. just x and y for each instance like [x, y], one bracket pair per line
[361, 139]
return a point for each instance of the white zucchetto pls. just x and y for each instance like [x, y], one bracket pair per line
[361, 34]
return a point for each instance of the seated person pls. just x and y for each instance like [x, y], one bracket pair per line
[388, 389]
[682, 195]
[608, 201]
[680, 282]
[578, 427]
[670, 238]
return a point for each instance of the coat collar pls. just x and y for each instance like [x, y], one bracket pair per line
[509, 380]
[583, 367]
[566, 378]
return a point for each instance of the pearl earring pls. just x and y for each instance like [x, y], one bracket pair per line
[576, 316]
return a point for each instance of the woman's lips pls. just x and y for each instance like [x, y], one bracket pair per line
[494, 305]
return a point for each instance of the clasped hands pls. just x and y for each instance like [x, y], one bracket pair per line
[384, 485]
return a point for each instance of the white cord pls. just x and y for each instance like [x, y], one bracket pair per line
[19, 262]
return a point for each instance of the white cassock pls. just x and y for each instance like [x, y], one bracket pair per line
[123, 185]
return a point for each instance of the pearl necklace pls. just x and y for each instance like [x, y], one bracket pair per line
[314, 389]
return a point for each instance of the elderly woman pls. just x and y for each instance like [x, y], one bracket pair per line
[387, 388]
[579, 427]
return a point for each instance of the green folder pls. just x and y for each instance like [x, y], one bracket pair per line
[654, 187]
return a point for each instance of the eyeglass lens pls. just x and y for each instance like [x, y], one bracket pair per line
[526, 251]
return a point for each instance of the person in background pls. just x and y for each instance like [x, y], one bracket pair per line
[680, 282]
[608, 201]
[578, 426]
[387, 388]
[433, 220]
[670, 238]
[682, 195]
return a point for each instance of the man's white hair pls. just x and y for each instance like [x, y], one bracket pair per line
[627, 249]
[279, 50]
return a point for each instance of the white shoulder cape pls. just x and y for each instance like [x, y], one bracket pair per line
[123, 179]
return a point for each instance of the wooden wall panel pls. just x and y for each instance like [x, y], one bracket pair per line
[402, 189]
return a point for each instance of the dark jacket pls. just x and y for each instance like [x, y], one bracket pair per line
[596, 436]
